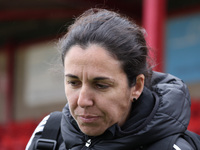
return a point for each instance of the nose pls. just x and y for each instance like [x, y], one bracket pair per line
[85, 97]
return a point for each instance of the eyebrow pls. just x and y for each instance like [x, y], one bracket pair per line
[71, 76]
[95, 79]
[101, 78]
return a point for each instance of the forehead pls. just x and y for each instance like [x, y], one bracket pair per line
[91, 50]
[93, 58]
[93, 53]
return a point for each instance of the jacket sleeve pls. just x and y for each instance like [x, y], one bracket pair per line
[182, 144]
[36, 134]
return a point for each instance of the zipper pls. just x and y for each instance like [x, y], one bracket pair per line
[88, 143]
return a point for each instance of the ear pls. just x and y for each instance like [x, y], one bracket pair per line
[138, 87]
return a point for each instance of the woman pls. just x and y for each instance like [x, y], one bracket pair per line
[114, 99]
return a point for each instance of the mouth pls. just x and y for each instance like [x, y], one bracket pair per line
[88, 118]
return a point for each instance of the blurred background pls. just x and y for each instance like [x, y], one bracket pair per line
[31, 77]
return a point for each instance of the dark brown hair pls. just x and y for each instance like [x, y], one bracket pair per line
[122, 38]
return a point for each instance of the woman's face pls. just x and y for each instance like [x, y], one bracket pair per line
[97, 89]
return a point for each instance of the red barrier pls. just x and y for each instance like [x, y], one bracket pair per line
[15, 136]
[195, 117]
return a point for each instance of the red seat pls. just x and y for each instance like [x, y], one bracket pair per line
[15, 136]
[195, 117]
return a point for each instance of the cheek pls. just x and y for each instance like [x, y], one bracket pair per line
[121, 97]
[116, 103]
[122, 101]
[71, 99]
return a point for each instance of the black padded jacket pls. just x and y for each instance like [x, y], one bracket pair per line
[158, 119]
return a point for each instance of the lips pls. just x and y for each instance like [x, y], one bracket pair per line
[88, 118]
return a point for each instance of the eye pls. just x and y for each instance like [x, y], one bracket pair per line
[74, 83]
[101, 86]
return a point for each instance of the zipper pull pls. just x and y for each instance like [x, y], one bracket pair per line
[87, 144]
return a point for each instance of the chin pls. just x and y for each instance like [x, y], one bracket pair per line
[92, 132]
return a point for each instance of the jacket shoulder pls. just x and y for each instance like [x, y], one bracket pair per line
[48, 129]
[37, 133]
[173, 142]
[182, 144]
